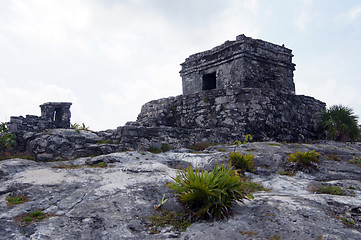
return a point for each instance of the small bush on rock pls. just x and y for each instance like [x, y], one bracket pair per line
[16, 199]
[340, 123]
[304, 159]
[333, 190]
[209, 194]
[242, 161]
[78, 127]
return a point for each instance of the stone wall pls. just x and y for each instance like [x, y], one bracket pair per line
[53, 115]
[265, 114]
[29, 123]
[244, 63]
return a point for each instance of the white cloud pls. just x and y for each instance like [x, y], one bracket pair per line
[354, 13]
[302, 20]
[331, 92]
[20, 101]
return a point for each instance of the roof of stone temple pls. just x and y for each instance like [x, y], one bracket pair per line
[242, 46]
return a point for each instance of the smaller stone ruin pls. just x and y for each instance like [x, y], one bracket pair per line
[53, 115]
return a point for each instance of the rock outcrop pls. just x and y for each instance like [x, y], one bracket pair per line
[115, 202]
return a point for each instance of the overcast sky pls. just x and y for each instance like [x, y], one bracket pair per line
[109, 57]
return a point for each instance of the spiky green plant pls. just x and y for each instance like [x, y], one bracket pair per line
[209, 194]
[241, 161]
[3, 127]
[304, 159]
[340, 123]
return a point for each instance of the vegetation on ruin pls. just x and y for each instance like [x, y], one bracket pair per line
[28, 218]
[7, 141]
[209, 194]
[241, 161]
[105, 141]
[72, 166]
[248, 138]
[164, 148]
[304, 159]
[77, 127]
[347, 222]
[333, 190]
[340, 122]
[16, 199]
[356, 161]
[287, 173]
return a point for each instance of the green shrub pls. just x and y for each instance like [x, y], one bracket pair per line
[209, 194]
[37, 213]
[241, 161]
[356, 161]
[3, 127]
[105, 141]
[164, 148]
[340, 123]
[17, 199]
[287, 173]
[7, 143]
[304, 159]
[27, 219]
[154, 150]
[248, 138]
[333, 190]
[78, 127]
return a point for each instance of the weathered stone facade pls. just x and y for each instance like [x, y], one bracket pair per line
[244, 63]
[57, 113]
[265, 114]
[53, 115]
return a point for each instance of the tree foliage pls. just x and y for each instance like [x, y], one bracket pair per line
[340, 123]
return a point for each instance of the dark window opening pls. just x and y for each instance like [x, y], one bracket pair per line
[209, 81]
[58, 115]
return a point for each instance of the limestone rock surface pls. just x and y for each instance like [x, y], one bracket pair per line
[115, 202]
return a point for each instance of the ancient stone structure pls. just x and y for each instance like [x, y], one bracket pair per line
[57, 113]
[241, 87]
[53, 115]
[244, 63]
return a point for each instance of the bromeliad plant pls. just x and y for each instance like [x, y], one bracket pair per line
[209, 194]
[241, 161]
[304, 159]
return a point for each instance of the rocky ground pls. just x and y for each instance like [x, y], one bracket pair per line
[83, 199]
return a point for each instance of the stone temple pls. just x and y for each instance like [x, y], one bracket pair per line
[240, 87]
[244, 63]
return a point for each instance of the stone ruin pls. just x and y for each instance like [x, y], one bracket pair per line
[240, 87]
[53, 115]
[244, 63]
